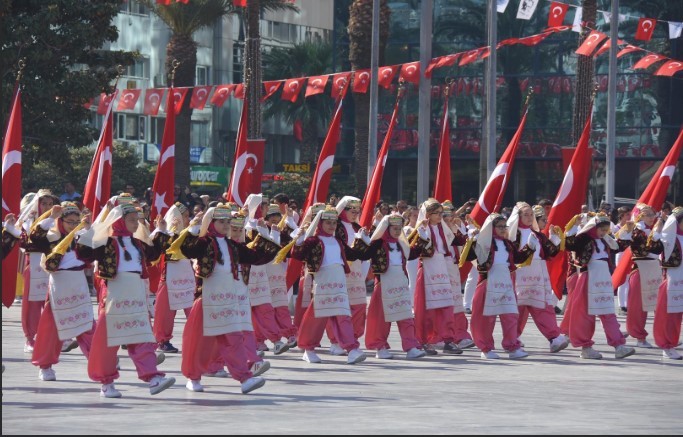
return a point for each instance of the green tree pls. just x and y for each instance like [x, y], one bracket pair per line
[65, 68]
[305, 59]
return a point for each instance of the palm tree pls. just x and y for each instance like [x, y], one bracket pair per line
[305, 59]
[360, 47]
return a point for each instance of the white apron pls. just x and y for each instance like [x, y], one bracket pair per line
[277, 281]
[126, 310]
[456, 285]
[532, 285]
[180, 284]
[600, 291]
[437, 282]
[500, 292]
[225, 304]
[307, 290]
[259, 288]
[38, 278]
[70, 302]
[674, 290]
[650, 280]
[396, 294]
[355, 283]
[330, 297]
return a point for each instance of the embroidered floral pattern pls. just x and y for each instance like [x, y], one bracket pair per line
[75, 318]
[332, 300]
[399, 304]
[332, 286]
[135, 324]
[130, 304]
[71, 299]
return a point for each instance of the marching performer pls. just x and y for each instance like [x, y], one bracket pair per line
[303, 298]
[622, 291]
[326, 260]
[177, 285]
[123, 252]
[669, 311]
[10, 234]
[593, 294]
[532, 282]
[220, 320]
[68, 311]
[496, 258]
[646, 272]
[410, 220]
[389, 251]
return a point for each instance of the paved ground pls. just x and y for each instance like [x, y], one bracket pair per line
[554, 394]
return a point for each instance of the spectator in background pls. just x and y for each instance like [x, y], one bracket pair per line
[584, 209]
[294, 207]
[385, 208]
[605, 208]
[401, 206]
[282, 201]
[667, 207]
[130, 188]
[70, 193]
[333, 199]
[197, 209]
[547, 205]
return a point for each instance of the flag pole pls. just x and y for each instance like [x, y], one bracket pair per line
[612, 105]
[374, 91]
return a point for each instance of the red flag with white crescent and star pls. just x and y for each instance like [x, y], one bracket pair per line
[11, 192]
[443, 189]
[200, 95]
[591, 43]
[556, 14]
[153, 97]
[648, 60]
[316, 85]
[105, 103]
[128, 100]
[361, 81]
[669, 68]
[221, 94]
[385, 75]
[292, 89]
[248, 167]
[646, 27]
[164, 179]
[270, 88]
[339, 82]
[410, 72]
[179, 99]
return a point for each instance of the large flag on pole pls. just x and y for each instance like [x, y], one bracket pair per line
[442, 184]
[11, 192]
[249, 158]
[164, 180]
[654, 196]
[568, 201]
[492, 196]
[98, 186]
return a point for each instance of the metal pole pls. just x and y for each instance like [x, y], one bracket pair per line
[374, 90]
[612, 104]
[488, 152]
[425, 102]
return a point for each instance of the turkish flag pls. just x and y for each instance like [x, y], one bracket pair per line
[533, 40]
[239, 3]
[248, 167]
[385, 75]
[239, 91]
[646, 27]
[443, 61]
[221, 94]
[316, 85]
[628, 49]
[292, 89]
[361, 81]
[374, 189]
[442, 184]
[339, 83]
[200, 95]
[270, 88]
[670, 68]
[556, 14]
[493, 193]
[179, 98]
[469, 57]
[648, 60]
[128, 100]
[11, 192]
[570, 197]
[410, 72]
[654, 196]
[153, 98]
[591, 42]
[98, 186]
[605, 47]
[105, 103]
[164, 179]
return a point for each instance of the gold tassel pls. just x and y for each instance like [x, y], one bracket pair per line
[465, 252]
[282, 254]
[563, 238]
[283, 223]
[45, 215]
[571, 223]
[527, 262]
[174, 251]
[412, 238]
[254, 243]
[64, 245]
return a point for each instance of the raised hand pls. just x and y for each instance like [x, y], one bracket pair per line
[56, 212]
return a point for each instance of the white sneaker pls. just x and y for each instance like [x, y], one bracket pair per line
[280, 348]
[356, 356]
[260, 367]
[518, 354]
[159, 384]
[440, 344]
[219, 374]
[671, 354]
[466, 343]
[194, 385]
[558, 343]
[28, 347]
[252, 384]
[336, 350]
[69, 345]
[47, 375]
[588, 353]
[644, 344]
[521, 343]
[311, 357]
[622, 351]
[384, 354]
[161, 357]
[108, 391]
[490, 355]
[261, 353]
[291, 342]
[415, 353]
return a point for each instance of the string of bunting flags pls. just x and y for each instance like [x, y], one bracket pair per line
[409, 72]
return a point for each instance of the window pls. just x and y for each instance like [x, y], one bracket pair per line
[237, 63]
[202, 75]
[127, 127]
[138, 69]
[199, 134]
[134, 7]
[156, 131]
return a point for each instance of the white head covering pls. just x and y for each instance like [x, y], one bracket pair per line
[485, 238]
[252, 203]
[593, 222]
[31, 210]
[344, 201]
[670, 233]
[206, 221]
[447, 232]
[384, 227]
[513, 221]
[316, 221]
[174, 214]
[100, 231]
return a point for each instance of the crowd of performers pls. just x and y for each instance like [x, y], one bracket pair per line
[226, 269]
